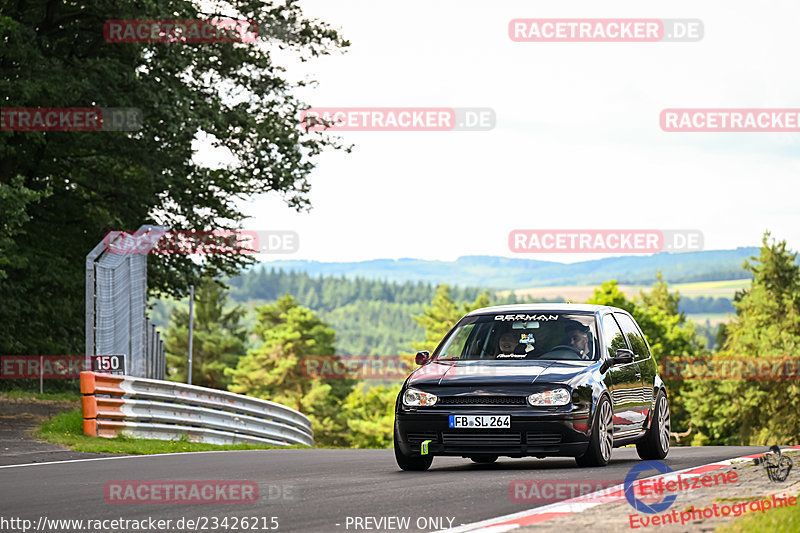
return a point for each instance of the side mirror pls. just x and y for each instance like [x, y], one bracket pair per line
[623, 357]
[422, 358]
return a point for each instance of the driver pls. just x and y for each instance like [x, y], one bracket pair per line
[578, 338]
[508, 343]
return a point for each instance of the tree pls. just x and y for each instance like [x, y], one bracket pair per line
[61, 192]
[668, 332]
[659, 297]
[481, 301]
[218, 339]
[14, 201]
[274, 371]
[609, 294]
[767, 327]
[437, 319]
[443, 313]
[370, 416]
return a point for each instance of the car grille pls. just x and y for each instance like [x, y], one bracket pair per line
[422, 436]
[542, 439]
[482, 439]
[481, 400]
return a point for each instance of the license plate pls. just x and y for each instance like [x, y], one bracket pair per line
[480, 421]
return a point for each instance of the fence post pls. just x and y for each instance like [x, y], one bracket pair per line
[191, 326]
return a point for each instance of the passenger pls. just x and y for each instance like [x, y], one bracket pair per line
[508, 343]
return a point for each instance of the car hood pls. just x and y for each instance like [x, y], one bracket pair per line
[460, 373]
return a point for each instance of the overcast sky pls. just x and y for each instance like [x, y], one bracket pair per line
[577, 142]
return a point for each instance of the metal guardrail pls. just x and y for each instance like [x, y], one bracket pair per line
[148, 408]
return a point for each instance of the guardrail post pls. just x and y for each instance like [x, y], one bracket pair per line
[87, 391]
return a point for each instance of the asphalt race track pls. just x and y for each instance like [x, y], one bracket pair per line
[309, 490]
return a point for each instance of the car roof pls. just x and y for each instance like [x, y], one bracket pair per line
[546, 307]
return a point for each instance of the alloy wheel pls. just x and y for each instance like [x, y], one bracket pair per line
[606, 433]
[663, 423]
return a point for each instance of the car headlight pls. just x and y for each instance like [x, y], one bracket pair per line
[418, 398]
[550, 397]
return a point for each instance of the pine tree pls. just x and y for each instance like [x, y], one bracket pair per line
[218, 340]
[370, 416]
[609, 294]
[443, 313]
[766, 328]
[437, 319]
[275, 370]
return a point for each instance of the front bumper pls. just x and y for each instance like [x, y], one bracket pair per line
[532, 433]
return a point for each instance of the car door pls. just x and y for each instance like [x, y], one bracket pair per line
[641, 354]
[625, 379]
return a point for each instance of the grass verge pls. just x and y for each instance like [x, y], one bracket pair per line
[47, 396]
[67, 429]
[782, 520]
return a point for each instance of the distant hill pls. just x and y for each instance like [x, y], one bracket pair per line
[513, 273]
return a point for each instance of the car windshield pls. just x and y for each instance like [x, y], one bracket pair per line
[526, 335]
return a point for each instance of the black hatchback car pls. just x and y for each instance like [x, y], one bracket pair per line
[534, 380]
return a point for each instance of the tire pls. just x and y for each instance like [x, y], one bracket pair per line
[483, 459]
[602, 440]
[655, 443]
[418, 464]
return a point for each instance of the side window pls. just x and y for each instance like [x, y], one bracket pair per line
[638, 344]
[612, 335]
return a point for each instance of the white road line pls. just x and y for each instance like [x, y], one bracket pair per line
[139, 456]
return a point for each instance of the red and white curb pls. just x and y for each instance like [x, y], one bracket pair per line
[587, 501]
